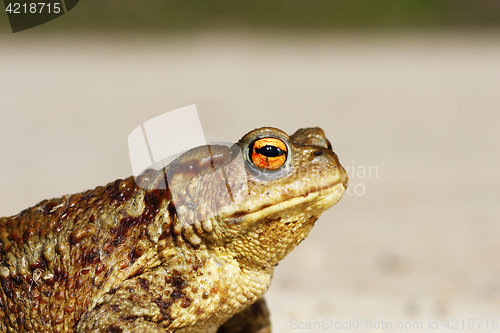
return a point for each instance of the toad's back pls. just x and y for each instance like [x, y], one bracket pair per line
[57, 256]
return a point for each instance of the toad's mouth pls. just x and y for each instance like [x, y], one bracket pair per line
[324, 198]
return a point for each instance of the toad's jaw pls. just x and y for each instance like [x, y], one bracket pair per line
[326, 198]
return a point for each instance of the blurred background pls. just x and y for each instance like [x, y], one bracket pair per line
[168, 15]
[406, 91]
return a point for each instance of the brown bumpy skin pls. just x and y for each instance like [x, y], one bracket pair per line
[194, 256]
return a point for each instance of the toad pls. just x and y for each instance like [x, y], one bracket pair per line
[187, 248]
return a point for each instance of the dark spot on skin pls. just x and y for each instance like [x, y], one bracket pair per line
[47, 209]
[272, 221]
[69, 308]
[100, 268]
[237, 214]
[152, 201]
[165, 233]
[7, 287]
[90, 257]
[59, 295]
[114, 328]
[177, 294]
[57, 228]
[179, 283]
[14, 236]
[30, 232]
[98, 203]
[123, 230]
[74, 200]
[41, 263]
[24, 212]
[134, 298]
[70, 285]
[79, 283]
[108, 248]
[17, 280]
[46, 317]
[167, 227]
[70, 209]
[121, 191]
[20, 319]
[114, 307]
[144, 284]
[129, 318]
[134, 254]
[60, 274]
[11, 223]
[312, 219]
[123, 264]
[164, 307]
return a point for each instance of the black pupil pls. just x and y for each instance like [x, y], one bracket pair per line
[270, 151]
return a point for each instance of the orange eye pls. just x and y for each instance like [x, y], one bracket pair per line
[268, 153]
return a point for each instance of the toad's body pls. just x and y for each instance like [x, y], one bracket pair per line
[135, 256]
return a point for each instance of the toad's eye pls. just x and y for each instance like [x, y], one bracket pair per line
[268, 153]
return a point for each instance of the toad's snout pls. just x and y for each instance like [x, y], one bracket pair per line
[344, 178]
[326, 156]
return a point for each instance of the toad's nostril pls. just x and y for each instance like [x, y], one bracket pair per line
[328, 144]
[317, 153]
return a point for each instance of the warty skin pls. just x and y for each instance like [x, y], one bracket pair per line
[196, 256]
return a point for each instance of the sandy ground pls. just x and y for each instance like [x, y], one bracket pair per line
[414, 117]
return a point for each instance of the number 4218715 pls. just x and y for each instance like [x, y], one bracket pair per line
[471, 324]
[33, 8]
